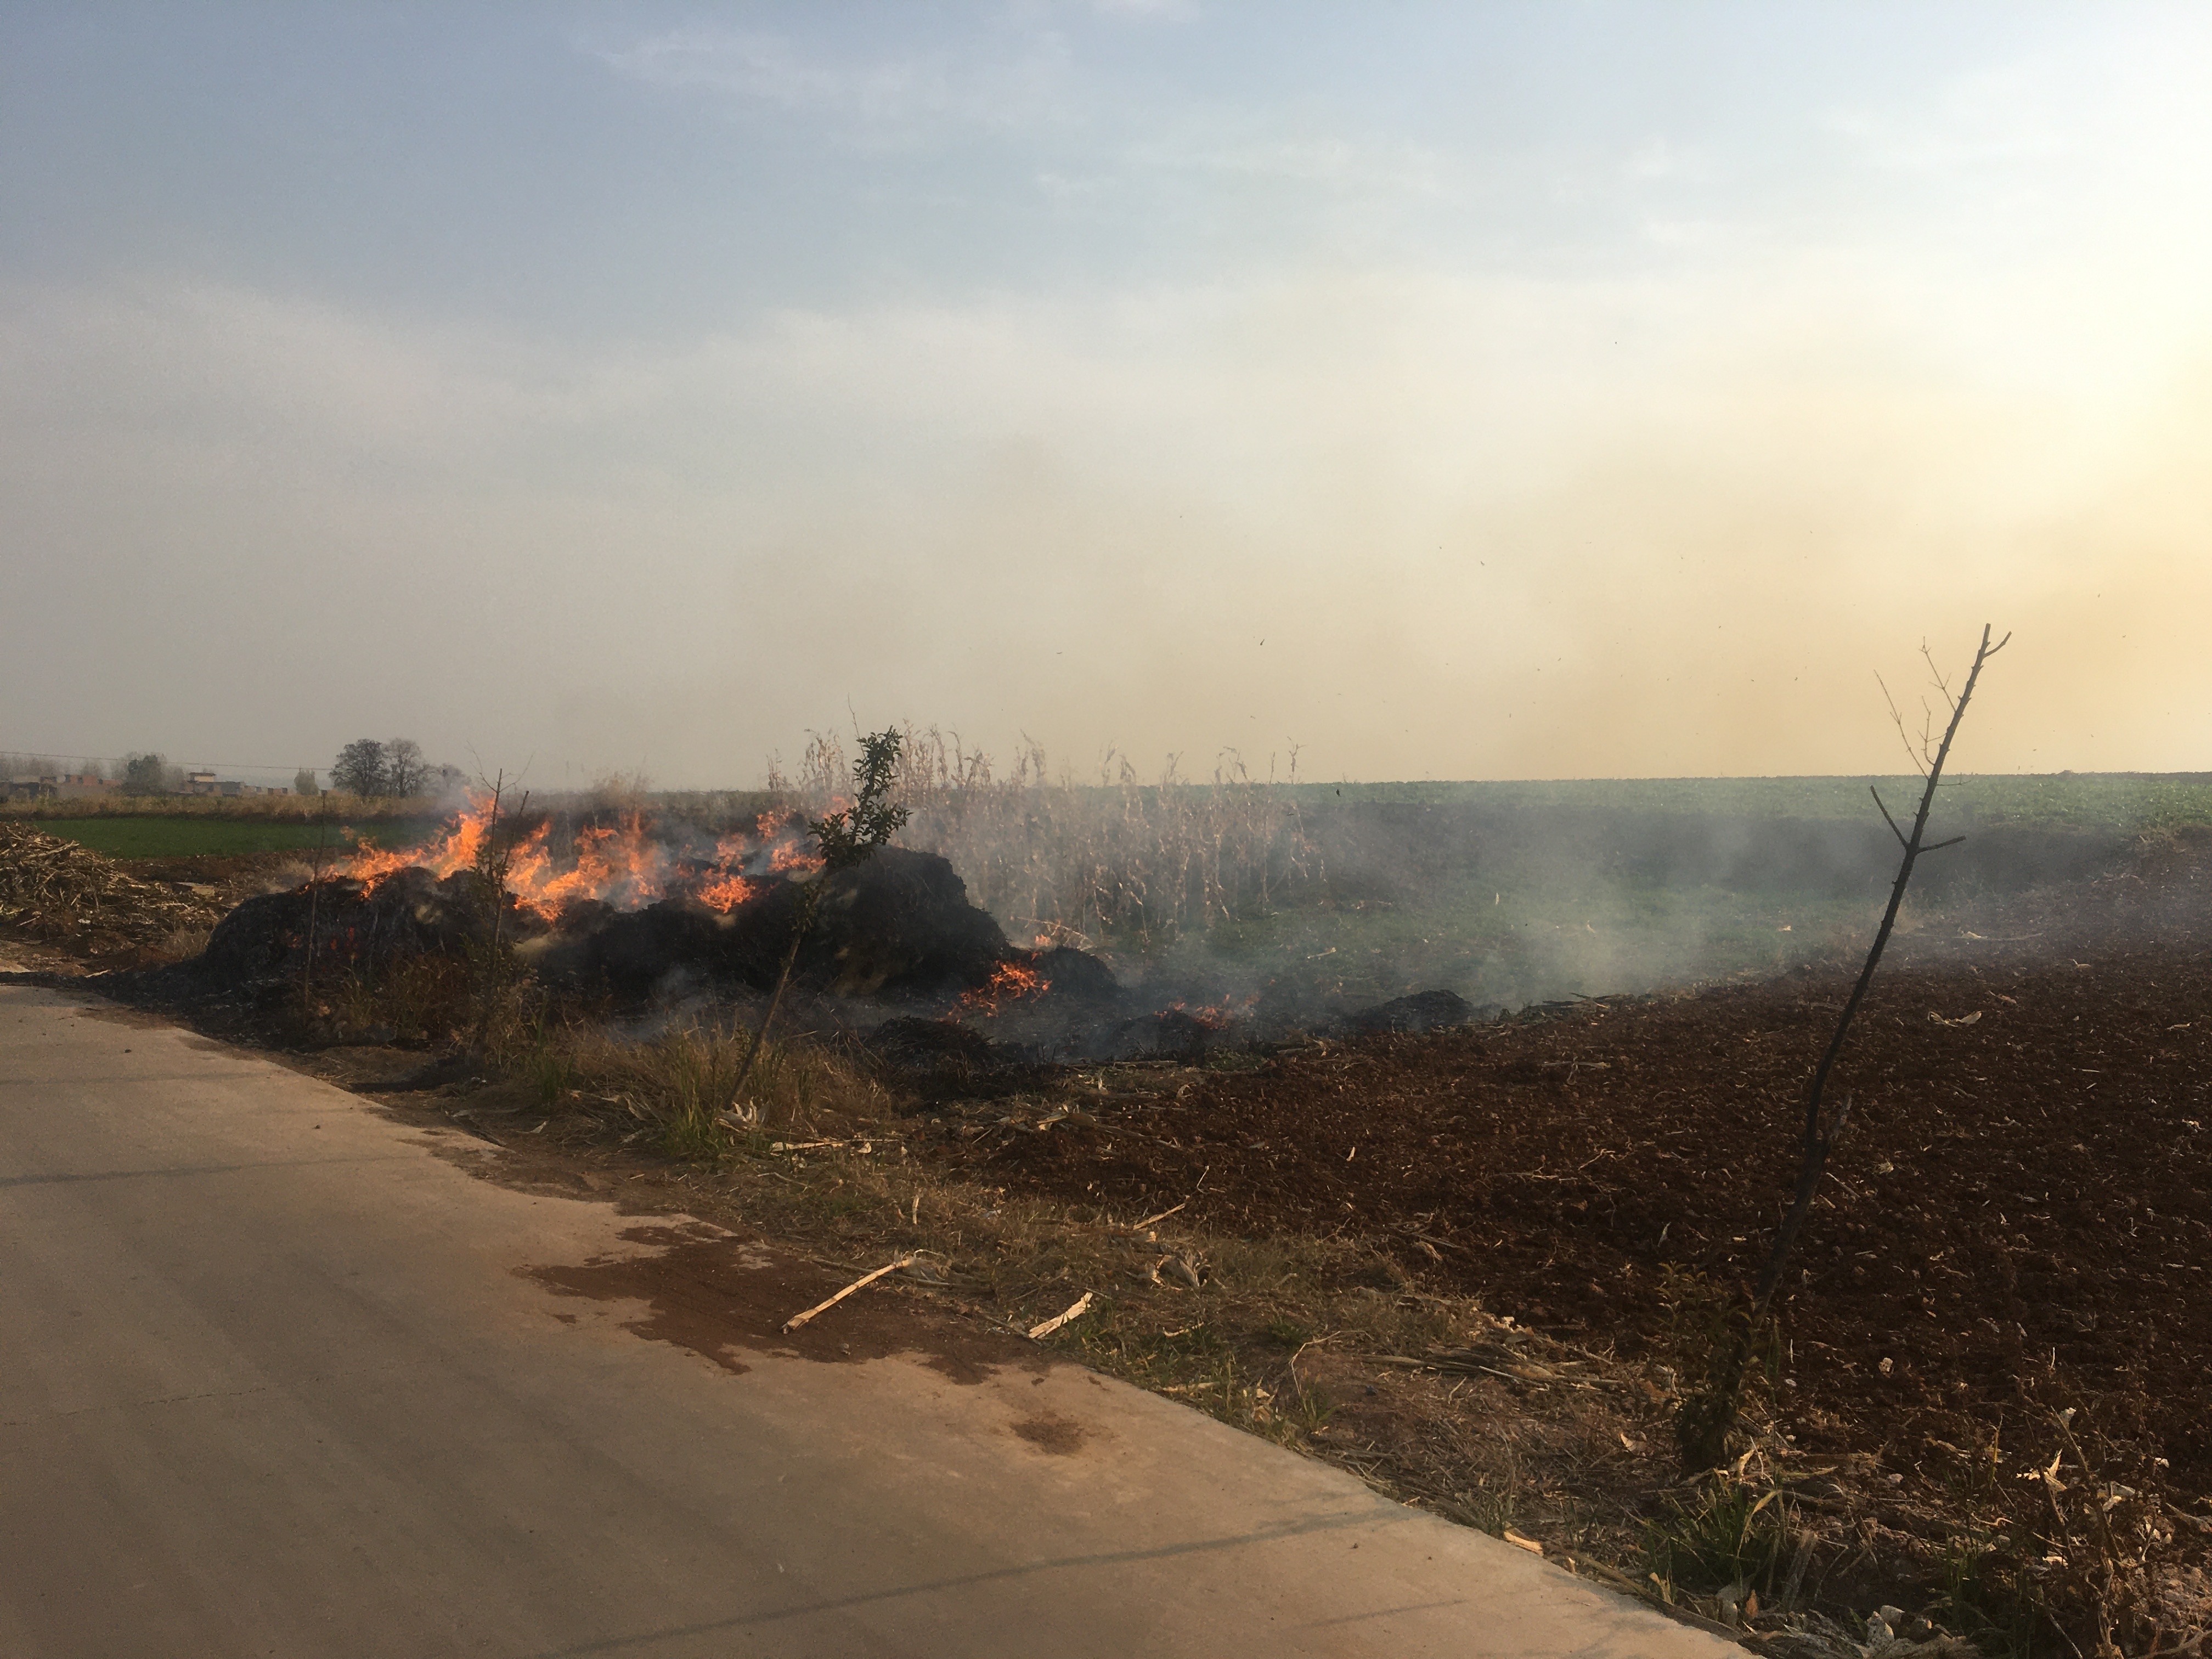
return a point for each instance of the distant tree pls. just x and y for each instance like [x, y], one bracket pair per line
[303, 782]
[359, 768]
[405, 771]
[145, 775]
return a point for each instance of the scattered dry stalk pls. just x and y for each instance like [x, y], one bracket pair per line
[1076, 1310]
[859, 1284]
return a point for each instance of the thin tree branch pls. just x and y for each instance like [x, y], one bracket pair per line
[1897, 719]
[314, 900]
[1886, 817]
[1935, 674]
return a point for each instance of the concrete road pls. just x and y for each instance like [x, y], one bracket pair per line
[278, 1378]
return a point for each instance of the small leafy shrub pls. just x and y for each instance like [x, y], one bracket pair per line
[1726, 1534]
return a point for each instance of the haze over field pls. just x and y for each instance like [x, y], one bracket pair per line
[1458, 392]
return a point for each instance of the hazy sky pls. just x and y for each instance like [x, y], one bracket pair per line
[1459, 391]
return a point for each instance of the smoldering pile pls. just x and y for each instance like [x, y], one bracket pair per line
[891, 949]
[899, 926]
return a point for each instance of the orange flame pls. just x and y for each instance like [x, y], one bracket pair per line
[1215, 1016]
[628, 865]
[794, 856]
[1009, 982]
[371, 865]
[726, 893]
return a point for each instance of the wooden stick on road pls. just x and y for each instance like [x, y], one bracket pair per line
[859, 1284]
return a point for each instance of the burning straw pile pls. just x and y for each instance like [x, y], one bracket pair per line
[54, 889]
[637, 909]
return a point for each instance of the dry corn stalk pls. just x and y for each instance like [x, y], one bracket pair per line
[52, 888]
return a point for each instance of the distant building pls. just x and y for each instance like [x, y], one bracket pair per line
[65, 786]
[206, 783]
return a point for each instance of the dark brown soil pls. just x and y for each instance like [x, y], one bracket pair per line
[2020, 1217]
[233, 874]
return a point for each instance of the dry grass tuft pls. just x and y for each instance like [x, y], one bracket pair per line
[417, 1000]
[182, 943]
[677, 1081]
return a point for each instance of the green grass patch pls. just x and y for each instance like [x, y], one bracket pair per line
[1725, 1534]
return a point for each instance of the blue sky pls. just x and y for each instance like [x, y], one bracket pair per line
[1462, 391]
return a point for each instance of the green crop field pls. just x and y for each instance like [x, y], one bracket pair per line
[204, 834]
[2088, 800]
[1510, 892]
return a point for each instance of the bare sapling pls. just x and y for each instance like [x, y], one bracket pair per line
[487, 889]
[844, 839]
[314, 902]
[1709, 1415]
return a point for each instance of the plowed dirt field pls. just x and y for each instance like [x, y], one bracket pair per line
[2017, 1217]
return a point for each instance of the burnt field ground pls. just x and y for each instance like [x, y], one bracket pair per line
[2021, 1199]
[1481, 1267]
